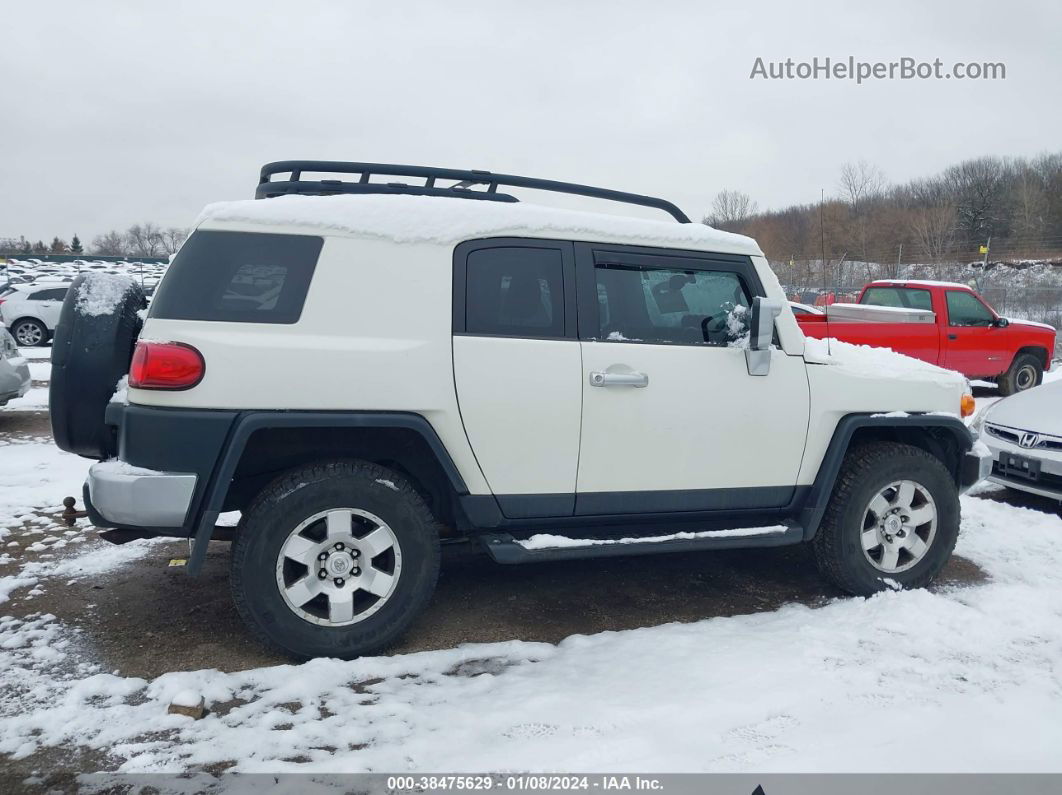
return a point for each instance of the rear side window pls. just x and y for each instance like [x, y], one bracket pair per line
[240, 277]
[515, 292]
[54, 294]
[906, 297]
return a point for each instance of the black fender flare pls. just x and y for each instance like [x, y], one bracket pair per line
[810, 516]
[246, 423]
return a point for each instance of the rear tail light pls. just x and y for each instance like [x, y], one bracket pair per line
[165, 365]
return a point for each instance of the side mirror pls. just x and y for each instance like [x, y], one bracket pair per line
[1001, 322]
[761, 332]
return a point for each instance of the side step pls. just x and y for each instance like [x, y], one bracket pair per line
[504, 548]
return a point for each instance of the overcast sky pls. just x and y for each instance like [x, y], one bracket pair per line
[115, 113]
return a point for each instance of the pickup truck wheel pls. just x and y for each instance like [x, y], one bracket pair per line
[1025, 372]
[892, 521]
[334, 560]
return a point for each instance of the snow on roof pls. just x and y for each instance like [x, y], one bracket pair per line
[433, 219]
[919, 282]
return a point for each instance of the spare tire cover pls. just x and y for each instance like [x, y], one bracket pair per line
[91, 351]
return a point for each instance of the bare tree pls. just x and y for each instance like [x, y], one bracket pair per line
[861, 183]
[934, 229]
[730, 208]
[145, 240]
[111, 244]
[978, 188]
[862, 186]
[172, 238]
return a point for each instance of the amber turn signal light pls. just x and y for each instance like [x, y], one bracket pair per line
[967, 405]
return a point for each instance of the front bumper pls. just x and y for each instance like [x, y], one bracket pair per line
[976, 466]
[1047, 484]
[140, 498]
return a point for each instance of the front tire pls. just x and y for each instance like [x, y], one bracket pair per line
[1025, 372]
[334, 559]
[892, 521]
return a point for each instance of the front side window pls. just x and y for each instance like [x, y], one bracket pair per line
[670, 305]
[514, 291]
[906, 297]
[238, 277]
[964, 309]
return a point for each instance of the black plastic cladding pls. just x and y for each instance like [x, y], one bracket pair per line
[465, 179]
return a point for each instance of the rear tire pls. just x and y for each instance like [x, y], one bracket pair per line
[879, 533]
[30, 333]
[307, 578]
[1025, 372]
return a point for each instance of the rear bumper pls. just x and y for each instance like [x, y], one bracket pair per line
[144, 499]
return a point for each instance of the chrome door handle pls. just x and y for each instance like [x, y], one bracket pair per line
[619, 379]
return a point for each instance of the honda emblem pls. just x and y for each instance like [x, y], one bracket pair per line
[1029, 439]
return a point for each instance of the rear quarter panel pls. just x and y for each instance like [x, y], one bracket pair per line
[373, 336]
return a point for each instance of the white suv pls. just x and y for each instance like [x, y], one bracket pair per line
[368, 369]
[31, 311]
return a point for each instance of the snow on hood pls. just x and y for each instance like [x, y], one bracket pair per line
[1038, 409]
[436, 219]
[877, 363]
[1020, 321]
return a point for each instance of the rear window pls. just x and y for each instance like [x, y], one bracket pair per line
[240, 277]
[906, 297]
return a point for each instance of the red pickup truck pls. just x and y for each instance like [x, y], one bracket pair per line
[944, 324]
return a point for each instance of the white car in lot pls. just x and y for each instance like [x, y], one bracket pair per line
[1024, 433]
[14, 371]
[31, 311]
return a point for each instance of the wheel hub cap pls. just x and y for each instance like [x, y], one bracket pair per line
[339, 566]
[899, 526]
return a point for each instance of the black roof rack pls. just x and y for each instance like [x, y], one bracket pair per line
[463, 181]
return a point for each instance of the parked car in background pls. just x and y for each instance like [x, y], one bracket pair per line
[1024, 433]
[804, 309]
[14, 371]
[945, 324]
[31, 311]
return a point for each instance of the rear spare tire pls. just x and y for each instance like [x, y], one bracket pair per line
[91, 351]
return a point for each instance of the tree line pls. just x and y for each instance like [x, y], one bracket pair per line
[1016, 203]
[139, 240]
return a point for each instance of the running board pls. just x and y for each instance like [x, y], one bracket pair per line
[544, 547]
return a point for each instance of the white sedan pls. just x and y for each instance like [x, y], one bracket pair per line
[1024, 433]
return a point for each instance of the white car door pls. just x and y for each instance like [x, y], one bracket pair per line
[672, 420]
[53, 307]
[517, 370]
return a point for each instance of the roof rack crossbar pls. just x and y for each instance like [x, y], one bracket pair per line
[463, 180]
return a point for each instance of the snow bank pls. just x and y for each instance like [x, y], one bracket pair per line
[102, 293]
[432, 219]
[878, 363]
[36, 475]
[964, 678]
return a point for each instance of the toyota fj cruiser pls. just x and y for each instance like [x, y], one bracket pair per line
[367, 369]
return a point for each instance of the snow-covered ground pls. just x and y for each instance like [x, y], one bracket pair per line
[961, 678]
